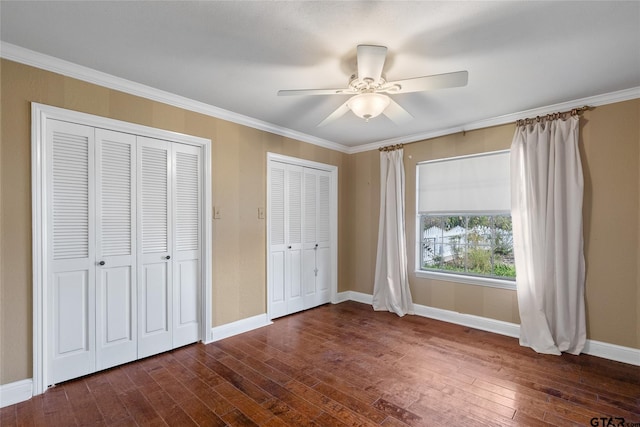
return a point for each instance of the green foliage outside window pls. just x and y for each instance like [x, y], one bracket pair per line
[479, 245]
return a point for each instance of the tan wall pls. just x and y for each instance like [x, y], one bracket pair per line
[239, 188]
[610, 147]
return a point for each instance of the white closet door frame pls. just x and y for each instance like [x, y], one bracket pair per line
[333, 215]
[40, 228]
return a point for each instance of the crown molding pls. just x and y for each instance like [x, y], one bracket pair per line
[592, 101]
[69, 69]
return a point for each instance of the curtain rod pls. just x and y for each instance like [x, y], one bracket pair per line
[552, 116]
[391, 147]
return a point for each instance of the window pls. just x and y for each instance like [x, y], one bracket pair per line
[464, 220]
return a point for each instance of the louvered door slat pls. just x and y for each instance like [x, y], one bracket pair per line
[324, 205]
[154, 200]
[276, 212]
[310, 208]
[187, 175]
[70, 194]
[116, 227]
[294, 206]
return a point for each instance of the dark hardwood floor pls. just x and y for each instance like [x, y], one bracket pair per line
[347, 365]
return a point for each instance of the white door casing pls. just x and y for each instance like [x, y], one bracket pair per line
[72, 291]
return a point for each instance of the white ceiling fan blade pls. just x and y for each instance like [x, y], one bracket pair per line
[436, 81]
[296, 92]
[339, 112]
[370, 62]
[397, 114]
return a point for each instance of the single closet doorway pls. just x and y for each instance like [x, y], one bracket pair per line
[302, 230]
[122, 239]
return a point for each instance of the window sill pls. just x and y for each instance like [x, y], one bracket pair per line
[469, 280]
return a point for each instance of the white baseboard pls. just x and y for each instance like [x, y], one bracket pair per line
[470, 320]
[612, 352]
[341, 297]
[238, 327]
[360, 297]
[15, 392]
[594, 348]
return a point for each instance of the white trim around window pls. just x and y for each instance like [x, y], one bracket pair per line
[467, 279]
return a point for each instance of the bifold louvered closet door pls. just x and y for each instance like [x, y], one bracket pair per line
[124, 221]
[299, 249]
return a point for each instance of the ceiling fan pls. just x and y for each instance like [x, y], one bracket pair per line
[371, 91]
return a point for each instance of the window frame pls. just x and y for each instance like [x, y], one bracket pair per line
[457, 277]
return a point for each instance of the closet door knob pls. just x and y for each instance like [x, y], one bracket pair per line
[168, 257]
[288, 247]
[101, 263]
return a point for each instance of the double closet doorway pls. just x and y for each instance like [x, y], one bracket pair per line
[122, 240]
[302, 206]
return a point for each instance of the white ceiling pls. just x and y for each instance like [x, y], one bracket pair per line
[236, 55]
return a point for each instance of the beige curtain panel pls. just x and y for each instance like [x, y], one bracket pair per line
[546, 198]
[391, 286]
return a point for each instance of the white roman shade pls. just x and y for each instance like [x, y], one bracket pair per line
[478, 183]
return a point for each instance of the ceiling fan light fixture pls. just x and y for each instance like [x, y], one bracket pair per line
[368, 105]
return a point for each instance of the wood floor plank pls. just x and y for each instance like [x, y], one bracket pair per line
[83, 404]
[274, 389]
[27, 414]
[332, 366]
[236, 418]
[328, 405]
[107, 400]
[201, 371]
[397, 412]
[171, 385]
[9, 416]
[141, 410]
[57, 408]
[238, 381]
[358, 406]
[200, 413]
[168, 409]
[244, 403]
[327, 420]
